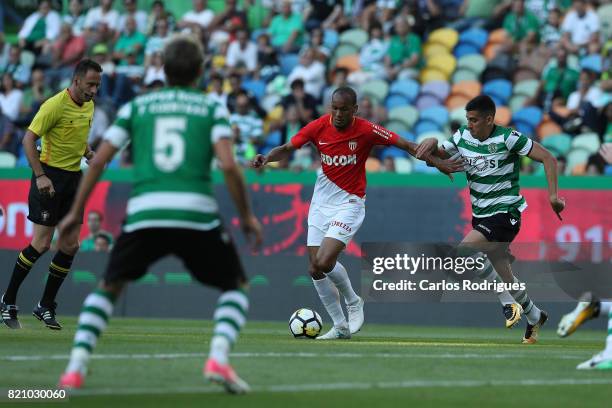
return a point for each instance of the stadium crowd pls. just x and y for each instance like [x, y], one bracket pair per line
[275, 63]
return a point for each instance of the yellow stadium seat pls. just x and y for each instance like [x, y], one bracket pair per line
[431, 49]
[443, 62]
[433, 74]
[445, 36]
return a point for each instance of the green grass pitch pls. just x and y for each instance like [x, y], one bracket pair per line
[151, 362]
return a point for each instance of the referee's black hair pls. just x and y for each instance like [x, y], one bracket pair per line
[481, 104]
[346, 91]
[85, 65]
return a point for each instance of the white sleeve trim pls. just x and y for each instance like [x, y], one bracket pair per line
[220, 132]
[117, 136]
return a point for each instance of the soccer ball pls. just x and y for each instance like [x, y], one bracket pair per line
[305, 323]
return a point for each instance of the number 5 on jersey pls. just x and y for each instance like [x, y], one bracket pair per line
[169, 145]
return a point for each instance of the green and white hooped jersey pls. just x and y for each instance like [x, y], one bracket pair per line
[492, 168]
[172, 133]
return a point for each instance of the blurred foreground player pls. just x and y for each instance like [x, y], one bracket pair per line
[175, 132]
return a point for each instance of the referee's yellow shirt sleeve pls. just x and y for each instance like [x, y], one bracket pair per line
[46, 118]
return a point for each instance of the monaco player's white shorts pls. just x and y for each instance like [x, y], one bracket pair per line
[340, 222]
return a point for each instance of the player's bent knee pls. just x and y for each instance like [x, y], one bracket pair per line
[324, 265]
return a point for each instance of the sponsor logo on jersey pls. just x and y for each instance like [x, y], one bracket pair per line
[481, 163]
[492, 148]
[339, 160]
[352, 144]
[468, 142]
[382, 132]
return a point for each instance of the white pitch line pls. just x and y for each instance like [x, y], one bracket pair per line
[352, 386]
[166, 356]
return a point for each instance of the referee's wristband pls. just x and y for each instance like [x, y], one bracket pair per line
[40, 175]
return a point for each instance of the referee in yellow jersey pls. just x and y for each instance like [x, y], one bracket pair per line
[63, 123]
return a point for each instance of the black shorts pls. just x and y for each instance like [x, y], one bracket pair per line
[502, 228]
[47, 210]
[210, 256]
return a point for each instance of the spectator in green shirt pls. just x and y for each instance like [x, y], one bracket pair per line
[522, 26]
[131, 41]
[405, 52]
[94, 224]
[286, 30]
[558, 81]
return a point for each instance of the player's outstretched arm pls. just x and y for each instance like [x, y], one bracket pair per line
[237, 189]
[429, 146]
[432, 158]
[277, 154]
[540, 154]
[105, 153]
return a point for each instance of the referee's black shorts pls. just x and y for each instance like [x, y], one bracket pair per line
[49, 210]
[210, 256]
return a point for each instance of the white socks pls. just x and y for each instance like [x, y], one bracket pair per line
[340, 278]
[330, 298]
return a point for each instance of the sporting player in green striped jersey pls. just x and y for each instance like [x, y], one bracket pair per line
[175, 132]
[492, 156]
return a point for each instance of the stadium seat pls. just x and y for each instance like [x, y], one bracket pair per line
[432, 74]
[469, 89]
[558, 144]
[462, 75]
[396, 126]
[408, 88]
[436, 134]
[408, 136]
[443, 62]
[528, 87]
[350, 62]
[287, 62]
[330, 39]
[476, 37]
[426, 126]
[406, 114]
[354, 36]
[377, 89]
[447, 37]
[270, 102]
[517, 102]
[458, 115]
[480, 8]
[475, 63]
[605, 18]
[27, 58]
[574, 157]
[421, 167]
[457, 101]
[592, 62]
[402, 165]
[393, 151]
[396, 100]
[257, 88]
[490, 50]
[345, 49]
[524, 73]
[7, 160]
[274, 139]
[579, 169]
[499, 89]
[432, 49]
[503, 115]
[436, 114]
[373, 165]
[438, 89]
[498, 36]
[587, 141]
[464, 49]
[546, 128]
[425, 101]
[531, 115]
